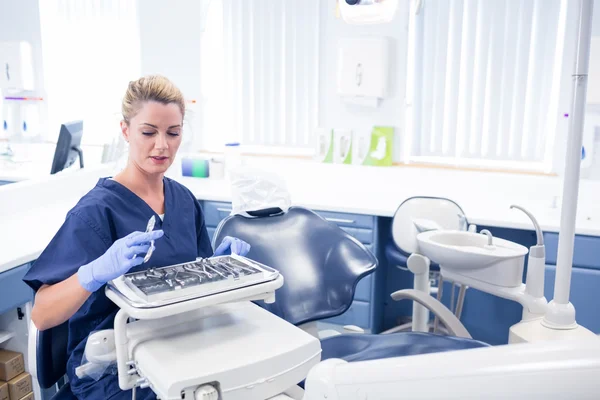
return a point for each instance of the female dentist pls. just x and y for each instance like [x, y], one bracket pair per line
[103, 235]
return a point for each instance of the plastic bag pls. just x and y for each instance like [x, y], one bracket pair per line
[99, 356]
[253, 189]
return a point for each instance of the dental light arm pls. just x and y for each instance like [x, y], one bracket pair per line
[550, 370]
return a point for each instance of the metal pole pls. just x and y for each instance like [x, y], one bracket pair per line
[561, 312]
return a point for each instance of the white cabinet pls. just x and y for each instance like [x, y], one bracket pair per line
[15, 315]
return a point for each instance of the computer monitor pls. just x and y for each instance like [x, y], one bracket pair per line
[68, 146]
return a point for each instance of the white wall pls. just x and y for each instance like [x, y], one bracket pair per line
[170, 37]
[334, 113]
[170, 41]
[596, 19]
[20, 21]
[170, 44]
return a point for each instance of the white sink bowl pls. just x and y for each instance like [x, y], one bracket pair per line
[468, 254]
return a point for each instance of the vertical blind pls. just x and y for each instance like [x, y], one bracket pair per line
[91, 51]
[488, 76]
[270, 80]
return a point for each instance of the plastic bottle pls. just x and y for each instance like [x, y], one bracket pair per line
[233, 157]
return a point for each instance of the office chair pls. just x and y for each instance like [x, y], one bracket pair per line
[321, 265]
[48, 358]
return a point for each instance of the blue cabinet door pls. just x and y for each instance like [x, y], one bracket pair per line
[585, 277]
[586, 250]
[13, 291]
[215, 212]
[585, 295]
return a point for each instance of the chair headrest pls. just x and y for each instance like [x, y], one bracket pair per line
[421, 213]
[267, 212]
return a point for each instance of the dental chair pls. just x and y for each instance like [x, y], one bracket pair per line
[48, 358]
[413, 216]
[321, 265]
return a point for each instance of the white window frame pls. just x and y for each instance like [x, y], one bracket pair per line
[564, 59]
[242, 88]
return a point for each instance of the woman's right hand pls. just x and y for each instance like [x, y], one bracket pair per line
[117, 260]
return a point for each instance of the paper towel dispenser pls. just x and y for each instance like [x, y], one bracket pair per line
[362, 70]
[16, 66]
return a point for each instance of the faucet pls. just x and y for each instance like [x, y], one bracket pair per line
[536, 267]
[538, 230]
[489, 236]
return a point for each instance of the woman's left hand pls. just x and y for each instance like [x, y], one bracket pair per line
[231, 245]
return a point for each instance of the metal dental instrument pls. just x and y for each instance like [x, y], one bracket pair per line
[179, 280]
[152, 273]
[150, 228]
[199, 267]
[215, 270]
[191, 270]
[205, 271]
[201, 277]
[245, 269]
[229, 269]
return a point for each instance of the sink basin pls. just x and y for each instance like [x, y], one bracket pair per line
[468, 254]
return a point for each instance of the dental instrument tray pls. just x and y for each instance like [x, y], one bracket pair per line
[203, 277]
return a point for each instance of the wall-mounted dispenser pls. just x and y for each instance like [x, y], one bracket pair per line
[362, 70]
[19, 102]
[16, 66]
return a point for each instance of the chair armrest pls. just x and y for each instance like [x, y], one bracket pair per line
[353, 329]
[32, 351]
[455, 327]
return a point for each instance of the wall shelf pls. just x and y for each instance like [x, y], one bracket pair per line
[5, 336]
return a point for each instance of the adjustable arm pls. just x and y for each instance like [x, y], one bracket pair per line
[419, 266]
[455, 327]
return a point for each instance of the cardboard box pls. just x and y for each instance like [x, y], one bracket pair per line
[28, 397]
[3, 391]
[20, 386]
[11, 364]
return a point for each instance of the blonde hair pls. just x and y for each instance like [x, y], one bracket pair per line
[150, 88]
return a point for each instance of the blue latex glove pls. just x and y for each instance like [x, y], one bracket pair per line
[231, 245]
[117, 260]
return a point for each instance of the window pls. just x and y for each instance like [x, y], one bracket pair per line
[489, 82]
[90, 53]
[260, 75]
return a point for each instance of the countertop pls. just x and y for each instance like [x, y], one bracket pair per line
[32, 211]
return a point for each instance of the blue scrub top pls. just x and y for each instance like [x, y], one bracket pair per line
[109, 212]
